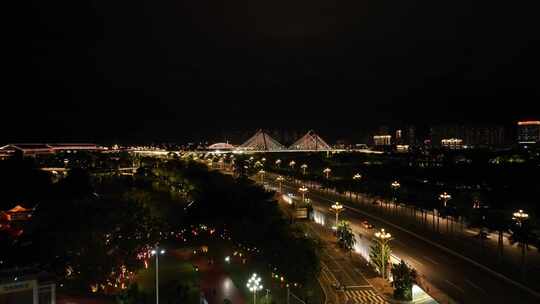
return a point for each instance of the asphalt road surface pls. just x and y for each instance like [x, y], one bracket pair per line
[461, 280]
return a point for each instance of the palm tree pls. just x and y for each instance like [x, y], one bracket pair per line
[346, 239]
[404, 279]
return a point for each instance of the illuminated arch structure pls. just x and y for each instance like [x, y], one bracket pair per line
[261, 141]
[310, 142]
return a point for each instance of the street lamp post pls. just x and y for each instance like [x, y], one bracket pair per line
[157, 252]
[383, 238]
[327, 172]
[292, 163]
[444, 197]
[254, 285]
[521, 217]
[303, 190]
[337, 207]
[395, 188]
[280, 179]
[304, 167]
[357, 177]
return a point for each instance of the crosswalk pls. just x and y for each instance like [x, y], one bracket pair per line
[363, 296]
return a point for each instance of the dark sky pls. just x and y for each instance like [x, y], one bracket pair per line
[180, 69]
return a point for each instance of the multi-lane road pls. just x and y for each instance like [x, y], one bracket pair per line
[460, 279]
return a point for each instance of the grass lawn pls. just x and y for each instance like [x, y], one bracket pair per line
[240, 273]
[172, 273]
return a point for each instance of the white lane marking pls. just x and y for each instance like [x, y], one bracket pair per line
[455, 286]
[475, 286]
[358, 286]
[414, 261]
[431, 260]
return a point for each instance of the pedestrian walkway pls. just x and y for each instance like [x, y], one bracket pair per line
[362, 296]
[353, 277]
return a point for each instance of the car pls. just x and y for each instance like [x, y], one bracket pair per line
[367, 225]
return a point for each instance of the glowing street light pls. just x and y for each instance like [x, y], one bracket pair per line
[382, 235]
[337, 207]
[395, 185]
[280, 179]
[327, 172]
[254, 285]
[356, 177]
[520, 217]
[157, 252]
[445, 197]
[382, 239]
[304, 167]
[292, 163]
[303, 190]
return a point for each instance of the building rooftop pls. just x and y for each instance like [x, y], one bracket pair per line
[23, 274]
[26, 146]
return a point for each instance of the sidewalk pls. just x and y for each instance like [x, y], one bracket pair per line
[353, 263]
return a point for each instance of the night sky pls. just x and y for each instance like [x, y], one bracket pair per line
[178, 70]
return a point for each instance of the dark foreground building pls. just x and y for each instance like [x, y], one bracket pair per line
[26, 286]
